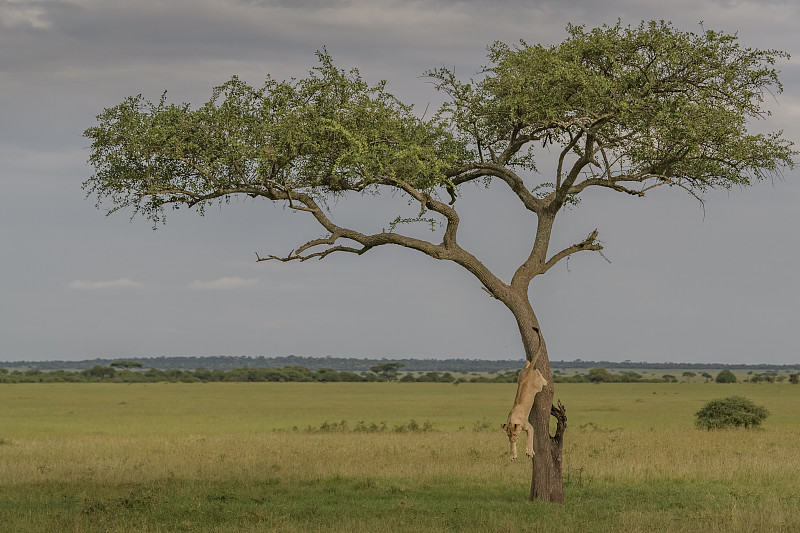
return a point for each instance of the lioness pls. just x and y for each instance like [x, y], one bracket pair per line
[530, 382]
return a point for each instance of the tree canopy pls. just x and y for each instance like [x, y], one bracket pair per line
[624, 108]
[627, 108]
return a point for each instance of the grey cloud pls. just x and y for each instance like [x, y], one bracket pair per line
[121, 283]
[22, 15]
[62, 62]
[298, 4]
[225, 283]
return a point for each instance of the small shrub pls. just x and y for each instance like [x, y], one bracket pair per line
[413, 427]
[726, 376]
[371, 428]
[328, 427]
[734, 411]
[483, 425]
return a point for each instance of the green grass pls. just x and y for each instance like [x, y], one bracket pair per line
[227, 457]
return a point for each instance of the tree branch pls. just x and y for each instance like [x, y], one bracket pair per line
[427, 202]
[608, 183]
[447, 250]
[589, 243]
[205, 173]
[474, 171]
[666, 180]
[567, 149]
[516, 142]
[295, 255]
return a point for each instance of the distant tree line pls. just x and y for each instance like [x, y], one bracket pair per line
[312, 363]
[462, 366]
[133, 372]
[602, 375]
[115, 374]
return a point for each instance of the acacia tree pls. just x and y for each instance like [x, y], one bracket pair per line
[387, 371]
[628, 109]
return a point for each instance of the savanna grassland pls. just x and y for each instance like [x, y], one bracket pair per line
[385, 456]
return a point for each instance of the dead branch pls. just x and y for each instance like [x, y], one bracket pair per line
[560, 413]
[589, 243]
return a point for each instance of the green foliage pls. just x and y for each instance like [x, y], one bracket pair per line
[100, 373]
[599, 375]
[298, 373]
[629, 375]
[726, 376]
[387, 371]
[648, 105]
[435, 377]
[289, 373]
[328, 132]
[663, 104]
[502, 377]
[768, 377]
[794, 378]
[126, 364]
[734, 411]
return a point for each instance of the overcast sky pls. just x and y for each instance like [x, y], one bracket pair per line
[684, 284]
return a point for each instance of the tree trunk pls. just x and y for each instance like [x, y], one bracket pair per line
[546, 482]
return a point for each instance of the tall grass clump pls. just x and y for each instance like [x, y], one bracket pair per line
[733, 411]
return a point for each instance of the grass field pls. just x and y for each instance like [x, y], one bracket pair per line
[385, 456]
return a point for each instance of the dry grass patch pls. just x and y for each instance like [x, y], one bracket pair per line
[226, 457]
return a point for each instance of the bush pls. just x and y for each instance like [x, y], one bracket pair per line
[600, 375]
[734, 411]
[726, 376]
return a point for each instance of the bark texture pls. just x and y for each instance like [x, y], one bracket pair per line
[546, 481]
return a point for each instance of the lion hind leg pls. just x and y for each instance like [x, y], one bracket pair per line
[529, 447]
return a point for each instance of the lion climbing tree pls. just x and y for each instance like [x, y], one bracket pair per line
[626, 109]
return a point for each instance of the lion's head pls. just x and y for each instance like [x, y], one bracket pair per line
[512, 430]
